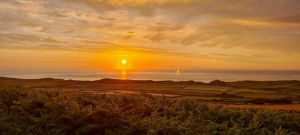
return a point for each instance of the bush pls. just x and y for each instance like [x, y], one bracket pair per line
[33, 112]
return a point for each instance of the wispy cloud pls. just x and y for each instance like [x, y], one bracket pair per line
[171, 27]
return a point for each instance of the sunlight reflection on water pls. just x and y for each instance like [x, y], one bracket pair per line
[183, 76]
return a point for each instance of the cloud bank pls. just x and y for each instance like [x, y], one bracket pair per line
[240, 30]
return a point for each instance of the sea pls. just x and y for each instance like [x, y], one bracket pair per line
[201, 76]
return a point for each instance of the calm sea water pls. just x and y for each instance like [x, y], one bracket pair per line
[203, 76]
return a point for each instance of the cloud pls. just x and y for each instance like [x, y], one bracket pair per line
[171, 27]
[193, 7]
[26, 41]
[251, 36]
[293, 19]
[241, 58]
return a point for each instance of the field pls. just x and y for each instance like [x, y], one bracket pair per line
[128, 107]
[243, 92]
[28, 111]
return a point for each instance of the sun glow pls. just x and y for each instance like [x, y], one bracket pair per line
[124, 69]
[133, 61]
[123, 75]
[124, 61]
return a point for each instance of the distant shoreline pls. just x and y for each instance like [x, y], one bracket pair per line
[146, 80]
[205, 77]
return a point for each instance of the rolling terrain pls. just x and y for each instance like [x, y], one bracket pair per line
[241, 92]
[132, 107]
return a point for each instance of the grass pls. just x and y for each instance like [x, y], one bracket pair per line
[260, 95]
[237, 92]
[33, 112]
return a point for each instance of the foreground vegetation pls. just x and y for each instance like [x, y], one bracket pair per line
[26, 111]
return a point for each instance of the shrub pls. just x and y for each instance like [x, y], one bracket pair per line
[33, 112]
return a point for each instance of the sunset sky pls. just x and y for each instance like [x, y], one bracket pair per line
[149, 35]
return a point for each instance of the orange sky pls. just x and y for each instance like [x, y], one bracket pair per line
[150, 35]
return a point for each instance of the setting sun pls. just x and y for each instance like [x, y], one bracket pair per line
[124, 61]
